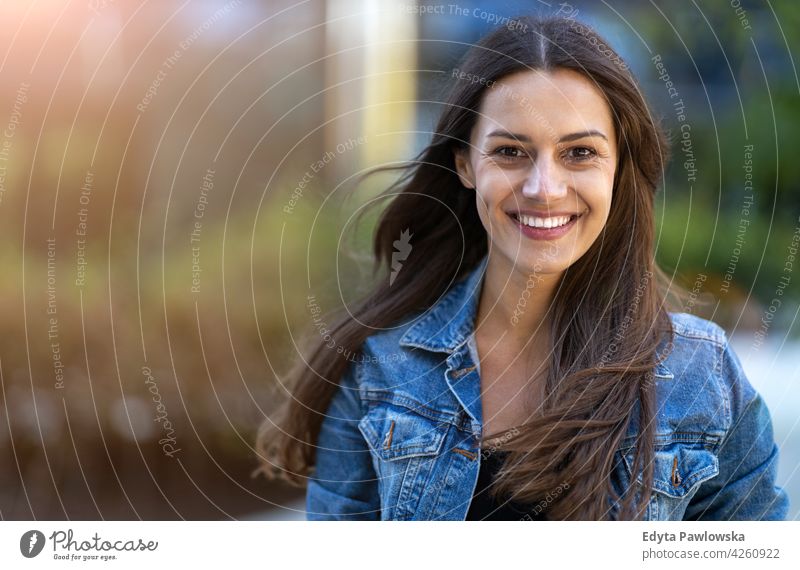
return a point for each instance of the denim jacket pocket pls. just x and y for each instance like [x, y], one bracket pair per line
[678, 471]
[404, 444]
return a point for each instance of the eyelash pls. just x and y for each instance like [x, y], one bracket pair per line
[592, 153]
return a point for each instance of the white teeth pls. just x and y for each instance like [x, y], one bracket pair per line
[544, 222]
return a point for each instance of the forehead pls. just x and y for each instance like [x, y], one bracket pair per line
[559, 102]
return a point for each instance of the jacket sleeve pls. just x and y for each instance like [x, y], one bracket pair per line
[745, 487]
[343, 485]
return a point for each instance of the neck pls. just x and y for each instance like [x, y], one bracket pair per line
[515, 303]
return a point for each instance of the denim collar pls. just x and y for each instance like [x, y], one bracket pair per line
[448, 324]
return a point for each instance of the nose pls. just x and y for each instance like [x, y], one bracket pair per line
[544, 182]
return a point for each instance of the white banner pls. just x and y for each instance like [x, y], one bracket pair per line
[390, 545]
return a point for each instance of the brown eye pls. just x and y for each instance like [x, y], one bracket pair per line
[581, 153]
[508, 152]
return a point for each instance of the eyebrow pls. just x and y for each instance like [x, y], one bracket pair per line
[566, 138]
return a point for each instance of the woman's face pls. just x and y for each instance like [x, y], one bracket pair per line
[542, 158]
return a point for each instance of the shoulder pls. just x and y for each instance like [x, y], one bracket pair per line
[692, 327]
[694, 342]
[707, 374]
[692, 355]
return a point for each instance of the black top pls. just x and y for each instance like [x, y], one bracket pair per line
[484, 508]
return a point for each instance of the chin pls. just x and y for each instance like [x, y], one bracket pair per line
[533, 262]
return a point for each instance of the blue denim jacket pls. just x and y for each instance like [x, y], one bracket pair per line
[400, 438]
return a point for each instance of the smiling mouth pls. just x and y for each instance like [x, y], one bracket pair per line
[544, 223]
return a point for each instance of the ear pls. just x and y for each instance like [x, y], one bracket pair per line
[463, 167]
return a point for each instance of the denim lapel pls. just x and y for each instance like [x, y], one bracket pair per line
[446, 328]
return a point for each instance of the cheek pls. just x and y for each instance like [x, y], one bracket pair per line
[494, 186]
[485, 205]
[496, 182]
[596, 189]
[598, 199]
[491, 188]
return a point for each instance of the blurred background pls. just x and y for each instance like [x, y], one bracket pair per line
[176, 196]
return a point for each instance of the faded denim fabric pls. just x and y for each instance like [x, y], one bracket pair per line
[400, 439]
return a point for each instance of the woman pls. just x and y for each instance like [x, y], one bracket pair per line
[519, 363]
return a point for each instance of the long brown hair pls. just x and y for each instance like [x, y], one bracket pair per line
[598, 378]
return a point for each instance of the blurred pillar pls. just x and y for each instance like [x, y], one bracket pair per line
[370, 81]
